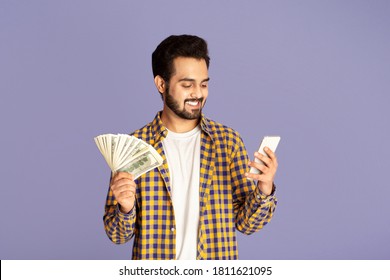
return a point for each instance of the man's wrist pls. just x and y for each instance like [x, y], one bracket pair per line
[266, 190]
[125, 210]
[261, 195]
[125, 216]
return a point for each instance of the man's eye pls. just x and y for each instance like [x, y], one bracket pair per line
[204, 85]
[186, 85]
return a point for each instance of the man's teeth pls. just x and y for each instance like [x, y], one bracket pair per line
[193, 103]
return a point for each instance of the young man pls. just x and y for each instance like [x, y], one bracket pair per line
[190, 207]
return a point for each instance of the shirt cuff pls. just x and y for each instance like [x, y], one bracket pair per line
[262, 198]
[125, 216]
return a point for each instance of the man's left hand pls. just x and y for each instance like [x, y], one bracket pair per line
[268, 170]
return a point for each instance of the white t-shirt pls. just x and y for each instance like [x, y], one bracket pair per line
[182, 151]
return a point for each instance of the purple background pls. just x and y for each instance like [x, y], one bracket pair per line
[315, 72]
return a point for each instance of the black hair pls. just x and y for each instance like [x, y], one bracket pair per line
[177, 46]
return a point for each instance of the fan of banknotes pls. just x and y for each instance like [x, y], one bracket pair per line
[128, 153]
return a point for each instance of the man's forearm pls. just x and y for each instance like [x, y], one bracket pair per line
[119, 226]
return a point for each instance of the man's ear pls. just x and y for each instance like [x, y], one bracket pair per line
[160, 84]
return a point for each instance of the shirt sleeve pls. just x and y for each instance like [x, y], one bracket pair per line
[119, 226]
[252, 209]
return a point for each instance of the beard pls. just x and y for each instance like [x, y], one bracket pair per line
[184, 114]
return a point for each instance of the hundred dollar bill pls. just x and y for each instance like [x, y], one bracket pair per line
[115, 143]
[99, 145]
[140, 148]
[143, 163]
[102, 142]
[123, 152]
[109, 149]
[126, 151]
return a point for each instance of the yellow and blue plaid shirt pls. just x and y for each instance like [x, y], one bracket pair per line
[228, 200]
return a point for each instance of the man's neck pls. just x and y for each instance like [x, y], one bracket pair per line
[177, 124]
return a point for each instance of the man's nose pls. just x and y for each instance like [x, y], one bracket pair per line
[197, 92]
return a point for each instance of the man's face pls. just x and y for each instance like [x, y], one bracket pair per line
[188, 88]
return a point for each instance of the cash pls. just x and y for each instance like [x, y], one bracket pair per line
[123, 152]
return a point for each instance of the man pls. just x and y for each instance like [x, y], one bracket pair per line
[189, 207]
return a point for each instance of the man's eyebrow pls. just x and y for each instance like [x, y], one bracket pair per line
[192, 80]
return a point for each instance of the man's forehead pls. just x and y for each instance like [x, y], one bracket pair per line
[181, 60]
[190, 68]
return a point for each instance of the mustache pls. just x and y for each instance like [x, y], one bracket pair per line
[194, 99]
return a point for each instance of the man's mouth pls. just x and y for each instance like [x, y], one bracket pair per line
[194, 102]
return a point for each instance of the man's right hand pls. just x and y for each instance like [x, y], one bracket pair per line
[123, 188]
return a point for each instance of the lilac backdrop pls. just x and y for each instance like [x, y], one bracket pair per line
[315, 72]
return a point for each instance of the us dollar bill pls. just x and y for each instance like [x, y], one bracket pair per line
[143, 163]
[123, 152]
[125, 148]
[138, 147]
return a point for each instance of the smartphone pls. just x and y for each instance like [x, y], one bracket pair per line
[270, 142]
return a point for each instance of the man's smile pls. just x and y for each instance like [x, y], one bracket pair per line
[194, 103]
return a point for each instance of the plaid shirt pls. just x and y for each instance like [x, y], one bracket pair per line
[228, 200]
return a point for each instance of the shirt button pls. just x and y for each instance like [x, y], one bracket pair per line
[258, 196]
[173, 229]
